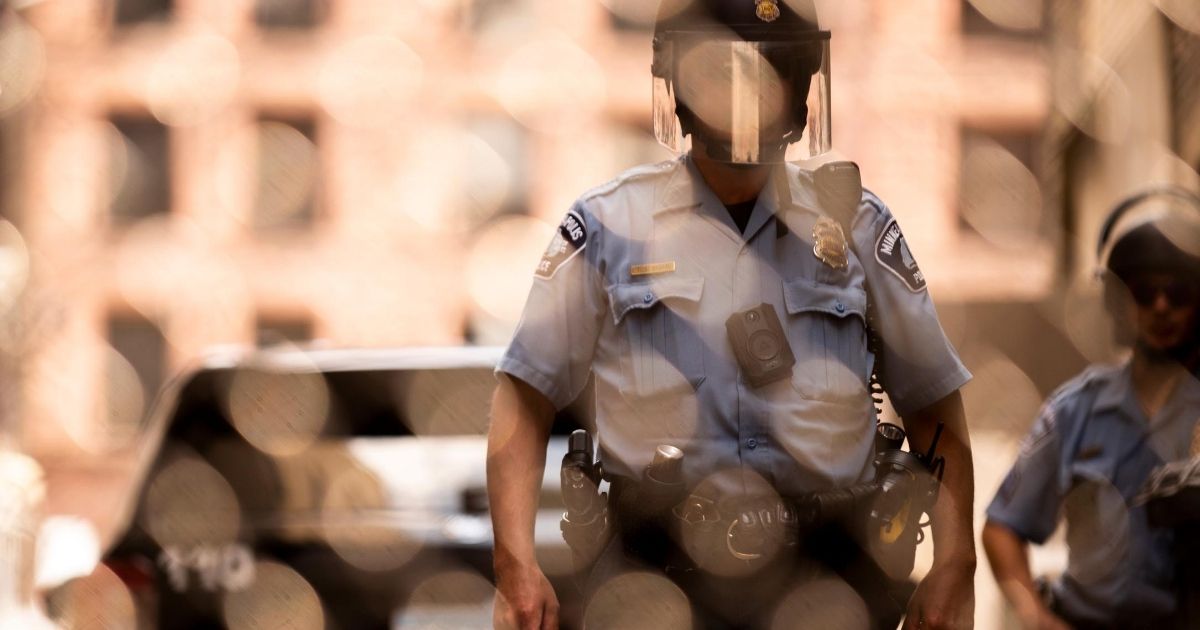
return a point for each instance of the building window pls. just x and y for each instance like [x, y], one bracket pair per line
[142, 345]
[288, 13]
[480, 14]
[1022, 144]
[1185, 90]
[128, 12]
[143, 188]
[270, 331]
[1013, 19]
[999, 193]
[288, 174]
[495, 169]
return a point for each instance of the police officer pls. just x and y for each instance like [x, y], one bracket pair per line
[1102, 433]
[643, 287]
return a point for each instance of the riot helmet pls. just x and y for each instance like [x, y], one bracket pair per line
[1153, 231]
[1149, 248]
[746, 79]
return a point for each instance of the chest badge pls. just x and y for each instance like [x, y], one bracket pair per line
[829, 243]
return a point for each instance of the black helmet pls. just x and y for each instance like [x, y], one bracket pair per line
[1157, 231]
[752, 20]
[748, 77]
[1150, 248]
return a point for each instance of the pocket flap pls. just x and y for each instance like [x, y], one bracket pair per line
[803, 295]
[626, 297]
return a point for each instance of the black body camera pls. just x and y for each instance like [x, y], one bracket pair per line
[760, 345]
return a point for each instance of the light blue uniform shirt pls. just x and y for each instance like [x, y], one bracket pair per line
[655, 335]
[1085, 459]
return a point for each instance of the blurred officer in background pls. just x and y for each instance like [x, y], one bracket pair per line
[688, 288]
[1101, 435]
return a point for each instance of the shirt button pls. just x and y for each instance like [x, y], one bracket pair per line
[751, 443]
[841, 308]
[648, 298]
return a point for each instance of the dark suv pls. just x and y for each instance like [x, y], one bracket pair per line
[322, 489]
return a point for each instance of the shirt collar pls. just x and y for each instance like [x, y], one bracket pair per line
[1186, 397]
[1116, 392]
[686, 189]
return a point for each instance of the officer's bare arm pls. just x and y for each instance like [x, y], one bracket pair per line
[1008, 554]
[953, 538]
[517, 439]
[946, 596]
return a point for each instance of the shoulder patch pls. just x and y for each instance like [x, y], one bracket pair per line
[569, 240]
[892, 252]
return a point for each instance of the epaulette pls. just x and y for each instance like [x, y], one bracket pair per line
[641, 171]
[871, 199]
[1092, 377]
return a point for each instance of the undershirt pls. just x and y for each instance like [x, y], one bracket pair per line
[740, 212]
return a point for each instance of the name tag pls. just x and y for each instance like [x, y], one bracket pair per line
[652, 268]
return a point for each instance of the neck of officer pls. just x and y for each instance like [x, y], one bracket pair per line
[731, 183]
[1155, 377]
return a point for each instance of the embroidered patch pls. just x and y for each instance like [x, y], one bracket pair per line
[1089, 452]
[568, 241]
[892, 252]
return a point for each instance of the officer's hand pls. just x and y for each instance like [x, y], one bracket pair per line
[525, 600]
[1040, 618]
[945, 599]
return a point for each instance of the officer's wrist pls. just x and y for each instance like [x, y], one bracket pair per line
[963, 560]
[1031, 613]
[506, 562]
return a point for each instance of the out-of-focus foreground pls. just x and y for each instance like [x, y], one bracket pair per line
[181, 174]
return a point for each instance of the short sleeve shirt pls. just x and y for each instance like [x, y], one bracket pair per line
[636, 288]
[1086, 458]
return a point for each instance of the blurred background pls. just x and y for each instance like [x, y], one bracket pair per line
[177, 175]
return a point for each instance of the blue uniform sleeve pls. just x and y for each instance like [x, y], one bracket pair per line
[918, 365]
[555, 340]
[1030, 497]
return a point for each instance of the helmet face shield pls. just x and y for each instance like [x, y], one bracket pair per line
[747, 102]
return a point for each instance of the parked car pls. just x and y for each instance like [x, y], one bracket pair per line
[322, 489]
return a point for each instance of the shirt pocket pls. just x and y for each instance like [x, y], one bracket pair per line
[826, 327]
[659, 321]
[1099, 528]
